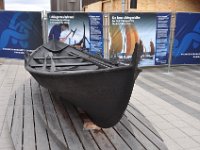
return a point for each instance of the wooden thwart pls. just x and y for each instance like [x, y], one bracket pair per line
[39, 120]
[63, 64]
[57, 57]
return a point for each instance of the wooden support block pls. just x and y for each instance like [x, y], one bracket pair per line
[88, 124]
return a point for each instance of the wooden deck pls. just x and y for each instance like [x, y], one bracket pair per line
[38, 121]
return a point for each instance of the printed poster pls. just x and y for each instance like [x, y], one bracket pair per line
[82, 30]
[144, 28]
[19, 32]
[186, 48]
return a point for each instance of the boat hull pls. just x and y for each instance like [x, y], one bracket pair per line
[102, 94]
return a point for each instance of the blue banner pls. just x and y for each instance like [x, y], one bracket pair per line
[19, 32]
[162, 38]
[186, 49]
[82, 30]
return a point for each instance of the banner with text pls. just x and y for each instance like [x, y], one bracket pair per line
[150, 30]
[19, 32]
[186, 48]
[82, 30]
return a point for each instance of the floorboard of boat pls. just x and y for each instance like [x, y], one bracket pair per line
[37, 119]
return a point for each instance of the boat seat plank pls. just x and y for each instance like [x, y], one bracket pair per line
[57, 57]
[94, 60]
[63, 64]
[38, 119]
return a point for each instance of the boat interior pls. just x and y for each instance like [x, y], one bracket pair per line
[58, 57]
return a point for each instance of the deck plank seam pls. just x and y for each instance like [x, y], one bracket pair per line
[23, 105]
[35, 104]
[13, 112]
[134, 144]
[145, 135]
[7, 110]
[122, 138]
[131, 105]
[144, 124]
[20, 119]
[75, 108]
[70, 123]
[133, 135]
[54, 138]
[74, 128]
[95, 140]
[53, 103]
[33, 114]
[73, 112]
[109, 140]
[45, 116]
[102, 134]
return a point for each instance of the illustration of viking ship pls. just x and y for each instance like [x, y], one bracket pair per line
[123, 43]
[152, 48]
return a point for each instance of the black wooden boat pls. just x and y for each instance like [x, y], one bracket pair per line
[96, 85]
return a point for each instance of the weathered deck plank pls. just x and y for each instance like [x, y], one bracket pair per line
[143, 120]
[17, 124]
[29, 128]
[42, 141]
[67, 126]
[128, 137]
[52, 120]
[102, 140]
[85, 136]
[11, 110]
[136, 144]
[38, 119]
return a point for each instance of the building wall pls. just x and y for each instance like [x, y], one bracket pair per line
[65, 5]
[95, 7]
[150, 6]
[1, 4]
[168, 5]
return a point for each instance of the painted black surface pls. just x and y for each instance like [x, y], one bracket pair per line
[98, 86]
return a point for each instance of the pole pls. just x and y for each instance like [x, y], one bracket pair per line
[172, 31]
[123, 6]
[44, 26]
[106, 36]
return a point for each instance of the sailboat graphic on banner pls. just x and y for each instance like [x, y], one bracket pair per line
[123, 39]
